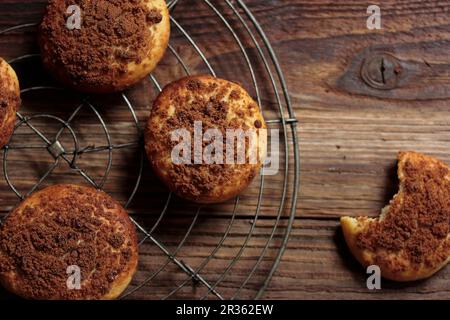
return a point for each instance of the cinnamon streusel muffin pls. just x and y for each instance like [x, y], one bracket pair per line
[62, 229]
[204, 103]
[9, 101]
[411, 238]
[102, 46]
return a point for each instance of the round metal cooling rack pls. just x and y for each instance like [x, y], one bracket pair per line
[287, 121]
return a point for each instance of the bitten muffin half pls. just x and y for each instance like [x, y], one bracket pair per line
[103, 46]
[9, 101]
[212, 110]
[62, 230]
[411, 238]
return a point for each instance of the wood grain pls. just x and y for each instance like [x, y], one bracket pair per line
[349, 131]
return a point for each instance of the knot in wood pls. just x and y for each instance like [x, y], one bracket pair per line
[381, 71]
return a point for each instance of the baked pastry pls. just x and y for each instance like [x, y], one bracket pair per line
[213, 104]
[410, 240]
[103, 46]
[60, 227]
[9, 101]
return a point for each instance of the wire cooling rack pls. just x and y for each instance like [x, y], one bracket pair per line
[285, 120]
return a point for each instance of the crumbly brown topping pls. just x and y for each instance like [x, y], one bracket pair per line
[113, 34]
[154, 17]
[9, 103]
[63, 226]
[418, 219]
[209, 102]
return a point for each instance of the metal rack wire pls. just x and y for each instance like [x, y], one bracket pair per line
[287, 121]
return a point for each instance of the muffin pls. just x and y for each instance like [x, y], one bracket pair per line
[9, 101]
[410, 240]
[103, 46]
[205, 106]
[60, 229]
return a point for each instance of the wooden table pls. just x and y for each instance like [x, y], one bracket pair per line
[360, 96]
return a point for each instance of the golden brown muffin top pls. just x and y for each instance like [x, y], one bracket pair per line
[113, 34]
[418, 218]
[61, 226]
[9, 98]
[217, 104]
